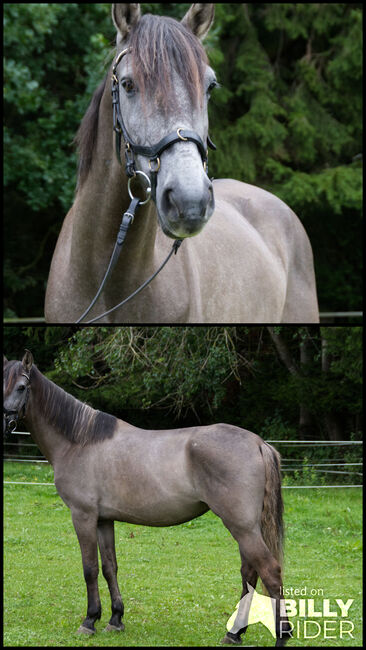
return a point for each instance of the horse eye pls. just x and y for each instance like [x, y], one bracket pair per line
[21, 388]
[128, 85]
[213, 84]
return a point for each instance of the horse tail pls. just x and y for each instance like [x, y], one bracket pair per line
[272, 522]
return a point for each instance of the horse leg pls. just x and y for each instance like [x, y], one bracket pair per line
[105, 533]
[250, 576]
[86, 529]
[253, 548]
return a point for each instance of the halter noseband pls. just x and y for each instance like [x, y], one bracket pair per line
[12, 417]
[154, 152]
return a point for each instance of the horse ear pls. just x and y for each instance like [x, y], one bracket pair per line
[27, 361]
[125, 16]
[5, 361]
[199, 19]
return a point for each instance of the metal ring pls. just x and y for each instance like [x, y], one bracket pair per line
[157, 160]
[147, 189]
[180, 136]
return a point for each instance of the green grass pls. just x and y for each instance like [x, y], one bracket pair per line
[179, 584]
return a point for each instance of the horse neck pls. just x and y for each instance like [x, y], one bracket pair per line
[52, 445]
[101, 201]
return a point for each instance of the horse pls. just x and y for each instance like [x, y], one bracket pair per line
[107, 470]
[245, 256]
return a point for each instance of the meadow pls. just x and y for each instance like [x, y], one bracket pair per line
[179, 584]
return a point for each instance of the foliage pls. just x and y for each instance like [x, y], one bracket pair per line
[180, 369]
[280, 121]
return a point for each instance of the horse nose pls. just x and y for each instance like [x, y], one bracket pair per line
[188, 203]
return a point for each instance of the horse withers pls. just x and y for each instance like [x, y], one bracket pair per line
[245, 256]
[107, 470]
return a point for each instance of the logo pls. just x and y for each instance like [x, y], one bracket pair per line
[253, 608]
[329, 620]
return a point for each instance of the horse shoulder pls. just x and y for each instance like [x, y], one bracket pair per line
[59, 270]
[282, 232]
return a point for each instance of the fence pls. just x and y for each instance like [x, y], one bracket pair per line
[325, 317]
[332, 316]
[286, 466]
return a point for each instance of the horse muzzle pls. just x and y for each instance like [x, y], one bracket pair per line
[184, 214]
[10, 421]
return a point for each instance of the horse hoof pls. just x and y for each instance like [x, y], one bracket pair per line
[232, 640]
[85, 630]
[114, 628]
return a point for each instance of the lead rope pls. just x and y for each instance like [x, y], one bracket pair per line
[174, 249]
[126, 221]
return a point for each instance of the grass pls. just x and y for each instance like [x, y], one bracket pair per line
[179, 584]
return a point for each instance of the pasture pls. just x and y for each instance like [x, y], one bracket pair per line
[179, 584]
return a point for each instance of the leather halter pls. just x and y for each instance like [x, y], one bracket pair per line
[152, 152]
[12, 417]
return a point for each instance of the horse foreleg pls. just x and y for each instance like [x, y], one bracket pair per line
[86, 529]
[105, 532]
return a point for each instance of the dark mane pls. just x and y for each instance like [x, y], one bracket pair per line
[86, 136]
[160, 46]
[76, 421]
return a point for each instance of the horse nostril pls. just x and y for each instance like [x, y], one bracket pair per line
[167, 202]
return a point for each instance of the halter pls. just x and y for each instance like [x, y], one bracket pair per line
[12, 417]
[153, 153]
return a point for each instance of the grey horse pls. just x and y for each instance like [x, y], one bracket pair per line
[106, 470]
[245, 255]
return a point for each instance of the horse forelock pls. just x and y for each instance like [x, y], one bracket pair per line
[73, 419]
[12, 371]
[161, 46]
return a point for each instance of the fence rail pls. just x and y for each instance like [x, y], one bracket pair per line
[341, 314]
[284, 487]
[323, 315]
[285, 466]
[23, 321]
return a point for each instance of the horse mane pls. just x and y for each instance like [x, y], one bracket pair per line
[86, 135]
[76, 421]
[160, 45]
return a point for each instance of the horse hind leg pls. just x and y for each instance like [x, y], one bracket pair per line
[248, 576]
[105, 533]
[253, 548]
